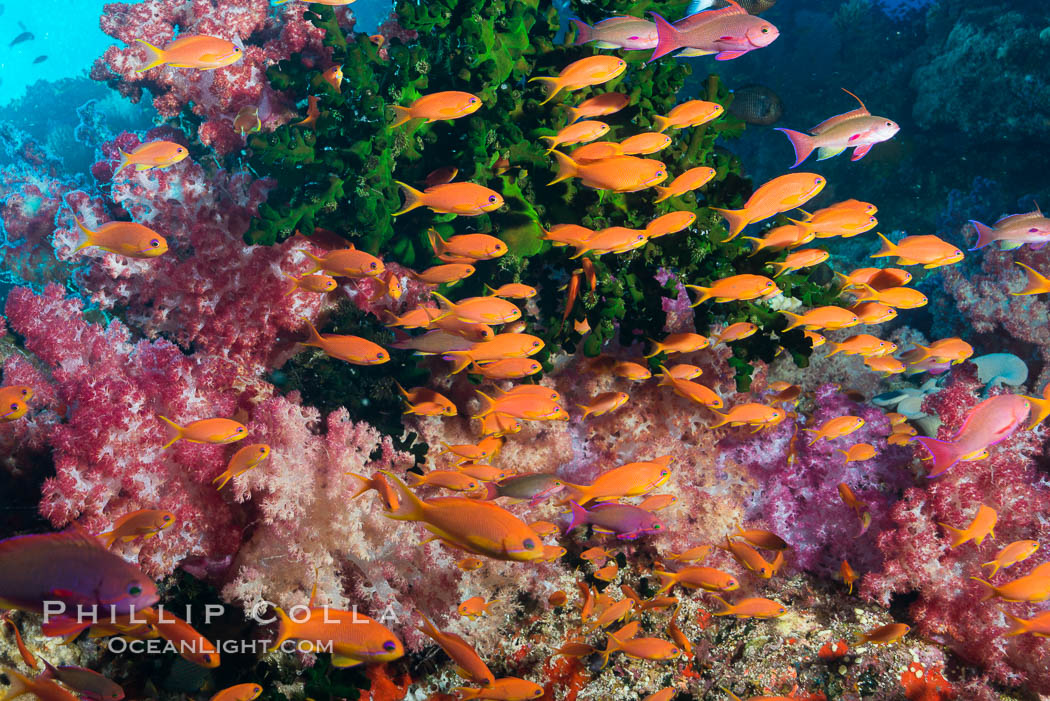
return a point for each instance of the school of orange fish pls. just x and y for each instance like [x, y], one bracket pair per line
[462, 333]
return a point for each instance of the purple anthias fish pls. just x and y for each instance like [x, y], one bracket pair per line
[626, 521]
[990, 422]
[69, 569]
[728, 33]
[631, 33]
[90, 685]
[1015, 231]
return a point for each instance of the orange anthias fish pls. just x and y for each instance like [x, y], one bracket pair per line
[507, 369]
[761, 538]
[144, 523]
[596, 151]
[630, 480]
[707, 578]
[503, 346]
[896, 297]
[779, 238]
[466, 248]
[247, 121]
[778, 195]
[238, 692]
[945, 350]
[1037, 283]
[593, 70]
[426, 402]
[1038, 625]
[615, 239]
[353, 638]
[864, 345]
[463, 199]
[12, 410]
[688, 114]
[928, 251]
[247, 458]
[846, 222]
[751, 608]
[849, 576]
[872, 313]
[445, 274]
[693, 391]
[619, 173]
[503, 689]
[576, 133]
[599, 106]
[446, 479]
[193, 51]
[475, 607]
[513, 290]
[758, 415]
[318, 284]
[1042, 404]
[670, 223]
[312, 114]
[858, 452]
[679, 343]
[735, 288]
[41, 687]
[347, 262]
[858, 129]
[686, 182]
[451, 104]
[1011, 554]
[736, 332]
[462, 653]
[835, 428]
[604, 403]
[353, 349]
[152, 154]
[878, 278]
[123, 237]
[188, 641]
[1034, 586]
[479, 527]
[829, 318]
[983, 525]
[218, 431]
[798, 260]
[479, 310]
[645, 143]
[884, 635]
[334, 77]
[751, 559]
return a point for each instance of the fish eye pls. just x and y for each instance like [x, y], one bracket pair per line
[535, 343]
[257, 689]
[492, 198]
[664, 473]
[473, 100]
[529, 544]
[818, 181]
[380, 354]
[389, 646]
[373, 266]
[179, 150]
[240, 430]
[134, 590]
[154, 242]
[262, 450]
[765, 30]
[1033, 230]
[167, 517]
[14, 407]
[889, 124]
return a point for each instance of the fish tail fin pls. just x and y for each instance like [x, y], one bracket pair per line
[285, 627]
[780, 268]
[736, 219]
[723, 419]
[317, 261]
[995, 567]
[924, 352]
[959, 536]
[667, 580]
[487, 404]
[661, 123]
[732, 696]
[657, 348]
[108, 538]
[178, 431]
[123, 161]
[868, 293]
[816, 431]
[365, 486]
[796, 320]
[944, 454]
[315, 337]
[802, 143]
[705, 294]
[888, 247]
[1020, 626]
[586, 410]
[584, 33]
[578, 516]
[409, 506]
[844, 453]
[89, 235]
[295, 284]
[566, 167]
[758, 244]
[1034, 284]
[19, 684]
[663, 192]
[552, 85]
[989, 588]
[413, 198]
[836, 348]
[668, 38]
[225, 477]
[155, 58]
[460, 360]
[728, 609]
[985, 235]
[436, 242]
[401, 115]
[447, 306]
[844, 280]
[574, 115]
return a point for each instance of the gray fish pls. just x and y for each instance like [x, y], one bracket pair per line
[535, 487]
[88, 683]
[756, 104]
[626, 521]
[66, 569]
[40, 59]
[24, 36]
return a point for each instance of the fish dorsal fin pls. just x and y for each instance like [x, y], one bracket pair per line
[613, 21]
[862, 106]
[861, 111]
[703, 17]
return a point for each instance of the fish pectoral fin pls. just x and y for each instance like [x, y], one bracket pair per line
[1010, 245]
[142, 166]
[860, 152]
[462, 673]
[825, 152]
[693, 52]
[339, 660]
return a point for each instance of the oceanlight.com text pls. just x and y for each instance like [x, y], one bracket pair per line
[225, 647]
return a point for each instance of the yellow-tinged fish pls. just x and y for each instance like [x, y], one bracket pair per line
[152, 154]
[604, 403]
[1011, 554]
[928, 251]
[828, 318]
[835, 428]
[576, 133]
[736, 288]
[592, 70]
[216, 431]
[451, 104]
[693, 391]
[1037, 283]
[686, 182]
[193, 51]
[780, 194]
[619, 173]
[751, 414]
[123, 237]
[247, 458]
[858, 452]
[479, 310]
[688, 114]
[347, 262]
[644, 143]
[805, 258]
[463, 199]
[679, 343]
[352, 349]
[983, 525]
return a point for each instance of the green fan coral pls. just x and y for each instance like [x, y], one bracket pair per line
[340, 175]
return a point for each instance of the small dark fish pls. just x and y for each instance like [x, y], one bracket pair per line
[89, 684]
[535, 487]
[40, 59]
[24, 36]
[756, 104]
[626, 521]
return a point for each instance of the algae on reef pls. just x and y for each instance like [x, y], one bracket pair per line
[340, 175]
